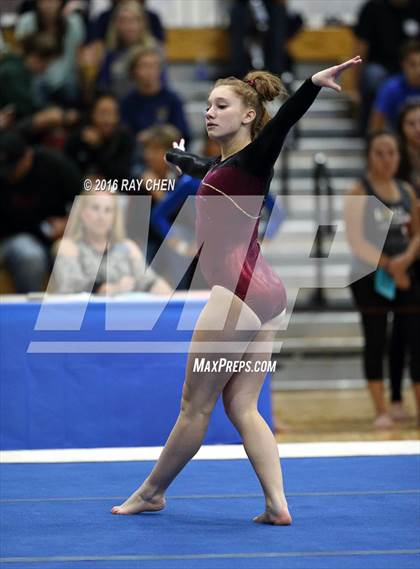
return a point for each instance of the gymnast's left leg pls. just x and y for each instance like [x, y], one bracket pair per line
[240, 399]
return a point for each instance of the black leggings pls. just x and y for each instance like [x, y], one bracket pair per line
[398, 348]
[374, 310]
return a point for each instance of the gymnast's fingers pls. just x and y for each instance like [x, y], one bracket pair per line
[349, 63]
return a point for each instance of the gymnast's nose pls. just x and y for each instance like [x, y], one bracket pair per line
[209, 114]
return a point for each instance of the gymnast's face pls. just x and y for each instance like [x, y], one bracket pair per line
[226, 114]
[384, 156]
[98, 214]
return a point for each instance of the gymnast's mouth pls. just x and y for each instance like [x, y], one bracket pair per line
[210, 124]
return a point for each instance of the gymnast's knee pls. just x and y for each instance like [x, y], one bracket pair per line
[193, 407]
[239, 413]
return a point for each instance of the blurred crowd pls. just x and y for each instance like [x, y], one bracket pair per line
[81, 98]
[90, 98]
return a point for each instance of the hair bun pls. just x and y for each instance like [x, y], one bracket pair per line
[267, 85]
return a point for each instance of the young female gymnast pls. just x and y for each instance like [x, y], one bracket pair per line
[247, 297]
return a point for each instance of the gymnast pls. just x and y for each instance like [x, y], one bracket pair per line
[247, 297]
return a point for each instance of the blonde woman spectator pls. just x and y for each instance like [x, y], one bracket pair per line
[128, 30]
[95, 254]
[99, 27]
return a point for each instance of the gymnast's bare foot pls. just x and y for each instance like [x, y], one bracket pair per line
[139, 502]
[275, 517]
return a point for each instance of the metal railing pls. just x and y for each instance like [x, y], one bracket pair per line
[324, 210]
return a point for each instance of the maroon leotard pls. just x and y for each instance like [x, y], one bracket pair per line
[229, 202]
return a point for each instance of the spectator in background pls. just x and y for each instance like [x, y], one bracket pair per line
[270, 22]
[102, 147]
[98, 30]
[395, 92]
[382, 28]
[128, 30]
[17, 73]
[81, 6]
[150, 103]
[59, 83]
[37, 189]
[375, 295]
[95, 255]
[155, 141]
[21, 105]
[409, 133]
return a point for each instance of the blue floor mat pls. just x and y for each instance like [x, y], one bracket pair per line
[350, 513]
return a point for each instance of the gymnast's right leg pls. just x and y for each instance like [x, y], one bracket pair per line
[200, 393]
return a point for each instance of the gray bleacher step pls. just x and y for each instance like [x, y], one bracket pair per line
[306, 226]
[307, 204]
[338, 104]
[296, 260]
[337, 162]
[338, 172]
[321, 331]
[313, 323]
[328, 145]
[299, 276]
[305, 159]
[329, 128]
[305, 184]
[334, 296]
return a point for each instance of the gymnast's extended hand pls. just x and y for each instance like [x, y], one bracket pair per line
[180, 146]
[328, 77]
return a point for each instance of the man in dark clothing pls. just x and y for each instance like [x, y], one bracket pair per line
[37, 188]
[272, 23]
[382, 28]
[151, 103]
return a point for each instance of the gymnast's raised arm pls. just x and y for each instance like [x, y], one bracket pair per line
[265, 149]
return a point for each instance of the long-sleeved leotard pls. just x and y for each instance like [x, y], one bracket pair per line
[228, 206]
